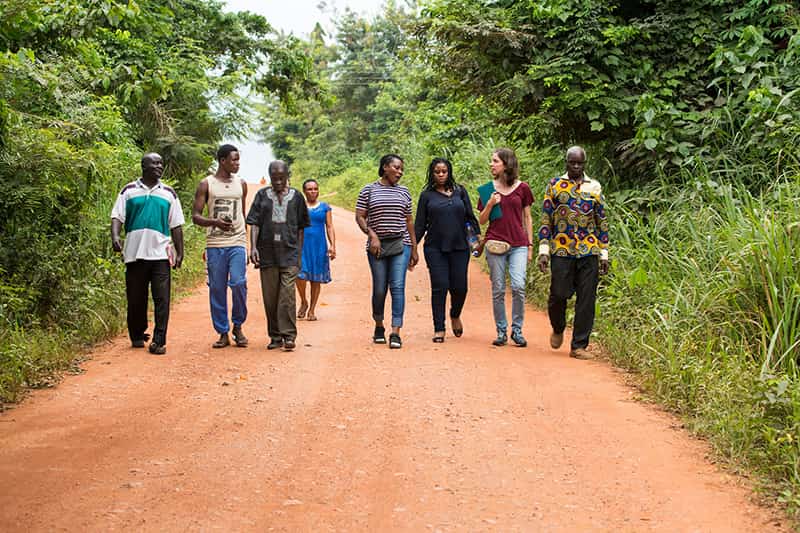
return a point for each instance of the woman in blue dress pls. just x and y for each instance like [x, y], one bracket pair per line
[319, 247]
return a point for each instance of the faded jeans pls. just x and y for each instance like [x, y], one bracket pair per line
[226, 268]
[516, 261]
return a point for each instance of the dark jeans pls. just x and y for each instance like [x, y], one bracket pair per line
[138, 276]
[448, 272]
[579, 277]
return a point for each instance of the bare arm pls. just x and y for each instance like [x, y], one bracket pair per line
[374, 242]
[414, 259]
[331, 234]
[528, 225]
[254, 258]
[200, 201]
[116, 242]
[177, 240]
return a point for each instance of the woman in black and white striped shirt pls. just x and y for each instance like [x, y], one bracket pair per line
[383, 212]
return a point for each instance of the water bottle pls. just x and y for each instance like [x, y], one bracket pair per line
[472, 239]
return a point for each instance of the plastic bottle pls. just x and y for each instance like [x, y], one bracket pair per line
[472, 239]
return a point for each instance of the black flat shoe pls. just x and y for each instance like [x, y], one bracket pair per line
[379, 337]
[458, 331]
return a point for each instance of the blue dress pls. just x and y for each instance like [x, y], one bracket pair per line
[316, 264]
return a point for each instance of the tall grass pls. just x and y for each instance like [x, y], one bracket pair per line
[704, 303]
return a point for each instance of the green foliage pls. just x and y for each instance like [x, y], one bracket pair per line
[88, 86]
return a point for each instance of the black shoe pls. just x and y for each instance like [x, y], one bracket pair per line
[274, 344]
[518, 339]
[157, 349]
[394, 341]
[139, 343]
[238, 337]
[437, 339]
[288, 345]
[222, 342]
[379, 337]
[501, 340]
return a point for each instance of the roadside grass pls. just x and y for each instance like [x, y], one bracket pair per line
[704, 303]
[34, 355]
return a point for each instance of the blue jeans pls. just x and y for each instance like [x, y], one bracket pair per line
[516, 260]
[226, 268]
[389, 274]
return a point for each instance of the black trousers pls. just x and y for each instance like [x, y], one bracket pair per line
[448, 272]
[579, 277]
[140, 275]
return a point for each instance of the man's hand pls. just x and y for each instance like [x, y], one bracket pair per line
[603, 267]
[178, 261]
[255, 258]
[543, 262]
[116, 244]
[224, 225]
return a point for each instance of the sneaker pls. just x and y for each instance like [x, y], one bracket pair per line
[394, 341]
[379, 337]
[581, 353]
[274, 344]
[157, 349]
[288, 345]
[556, 339]
[222, 342]
[518, 339]
[501, 339]
[238, 337]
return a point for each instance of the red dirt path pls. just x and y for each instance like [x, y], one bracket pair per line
[345, 435]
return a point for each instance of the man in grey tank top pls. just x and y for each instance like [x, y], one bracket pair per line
[224, 194]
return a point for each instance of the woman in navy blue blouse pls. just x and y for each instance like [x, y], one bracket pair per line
[443, 211]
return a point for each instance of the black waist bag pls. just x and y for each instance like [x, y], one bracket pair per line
[391, 246]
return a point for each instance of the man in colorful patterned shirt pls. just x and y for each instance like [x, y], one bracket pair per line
[574, 232]
[151, 213]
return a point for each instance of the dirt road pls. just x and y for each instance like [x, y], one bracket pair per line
[345, 435]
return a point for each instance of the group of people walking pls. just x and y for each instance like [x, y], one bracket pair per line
[292, 241]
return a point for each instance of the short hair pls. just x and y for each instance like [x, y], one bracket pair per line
[574, 149]
[509, 159]
[385, 160]
[277, 165]
[450, 183]
[309, 180]
[148, 156]
[225, 150]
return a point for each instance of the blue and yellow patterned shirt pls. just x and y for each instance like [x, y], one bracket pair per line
[573, 220]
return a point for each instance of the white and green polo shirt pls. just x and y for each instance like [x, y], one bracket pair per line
[148, 215]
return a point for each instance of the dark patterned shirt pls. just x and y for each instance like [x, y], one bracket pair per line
[279, 224]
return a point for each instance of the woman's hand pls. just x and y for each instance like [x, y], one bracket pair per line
[374, 244]
[414, 259]
[494, 199]
[332, 252]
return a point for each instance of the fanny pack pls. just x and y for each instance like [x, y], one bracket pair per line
[496, 247]
[391, 246]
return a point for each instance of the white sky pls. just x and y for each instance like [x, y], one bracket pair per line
[289, 16]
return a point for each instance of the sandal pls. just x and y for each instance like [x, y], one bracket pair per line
[438, 338]
[301, 313]
[394, 341]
